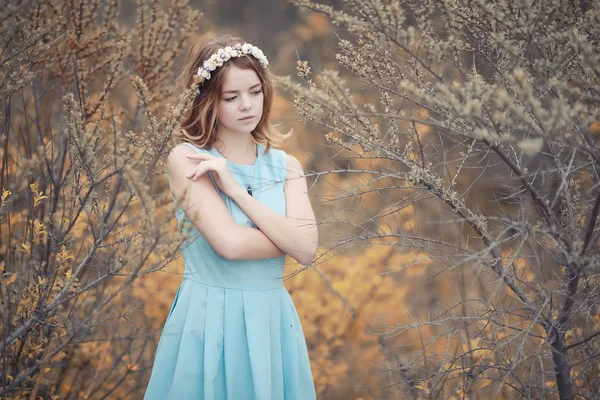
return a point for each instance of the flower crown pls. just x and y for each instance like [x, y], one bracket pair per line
[224, 54]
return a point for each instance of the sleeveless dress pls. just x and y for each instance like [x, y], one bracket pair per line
[233, 331]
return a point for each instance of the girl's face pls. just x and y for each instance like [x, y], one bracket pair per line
[241, 103]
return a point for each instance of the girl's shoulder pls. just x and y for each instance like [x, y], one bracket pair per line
[276, 160]
[275, 156]
[180, 150]
[198, 149]
[283, 158]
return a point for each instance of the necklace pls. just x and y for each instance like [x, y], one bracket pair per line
[249, 190]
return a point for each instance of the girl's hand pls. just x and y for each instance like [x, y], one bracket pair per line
[223, 177]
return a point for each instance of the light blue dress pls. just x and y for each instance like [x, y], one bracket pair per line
[233, 331]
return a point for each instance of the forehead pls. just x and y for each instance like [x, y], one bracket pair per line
[236, 78]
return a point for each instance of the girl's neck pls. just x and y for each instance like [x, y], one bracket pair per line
[239, 149]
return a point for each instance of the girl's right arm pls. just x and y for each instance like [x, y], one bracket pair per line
[252, 244]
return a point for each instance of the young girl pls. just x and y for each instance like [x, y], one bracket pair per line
[233, 331]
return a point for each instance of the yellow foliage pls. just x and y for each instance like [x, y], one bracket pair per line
[319, 23]
[63, 255]
[39, 196]
[316, 25]
[5, 194]
[25, 248]
[11, 280]
[595, 127]
[340, 345]
[39, 230]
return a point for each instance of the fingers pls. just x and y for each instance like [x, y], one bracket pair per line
[201, 169]
[196, 173]
[208, 162]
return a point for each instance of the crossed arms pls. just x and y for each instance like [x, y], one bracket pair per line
[295, 234]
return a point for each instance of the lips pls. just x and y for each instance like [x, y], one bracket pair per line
[246, 118]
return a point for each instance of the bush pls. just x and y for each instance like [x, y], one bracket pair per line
[80, 217]
[481, 118]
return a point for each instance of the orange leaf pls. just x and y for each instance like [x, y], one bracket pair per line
[12, 278]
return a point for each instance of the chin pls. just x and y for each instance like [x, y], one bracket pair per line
[249, 129]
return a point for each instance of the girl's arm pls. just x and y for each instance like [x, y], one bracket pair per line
[296, 234]
[252, 244]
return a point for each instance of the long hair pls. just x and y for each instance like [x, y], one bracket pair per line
[199, 124]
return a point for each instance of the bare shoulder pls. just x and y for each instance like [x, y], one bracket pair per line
[181, 149]
[180, 165]
[294, 168]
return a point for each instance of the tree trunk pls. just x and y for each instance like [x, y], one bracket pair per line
[562, 370]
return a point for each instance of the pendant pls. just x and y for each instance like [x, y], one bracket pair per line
[249, 190]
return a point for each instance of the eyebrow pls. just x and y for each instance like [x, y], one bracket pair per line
[235, 91]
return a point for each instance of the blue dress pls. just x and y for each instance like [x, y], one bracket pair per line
[233, 331]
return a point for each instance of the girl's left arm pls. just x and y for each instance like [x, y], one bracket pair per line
[296, 234]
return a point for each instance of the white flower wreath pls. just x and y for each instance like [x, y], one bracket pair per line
[224, 54]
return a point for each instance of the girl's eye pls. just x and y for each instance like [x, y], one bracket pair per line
[256, 93]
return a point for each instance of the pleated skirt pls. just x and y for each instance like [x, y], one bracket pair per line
[222, 343]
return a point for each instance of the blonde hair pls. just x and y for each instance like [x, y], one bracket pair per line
[199, 124]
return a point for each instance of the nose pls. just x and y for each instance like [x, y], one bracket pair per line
[244, 102]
